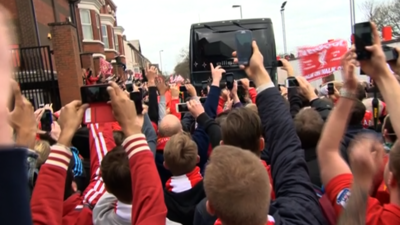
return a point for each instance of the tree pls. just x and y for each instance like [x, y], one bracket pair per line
[383, 14]
[182, 67]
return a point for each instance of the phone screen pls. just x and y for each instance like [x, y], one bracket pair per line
[136, 97]
[229, 81]
[129, 87]
[331, 89]
[244, 49]
[291, 82]
[46, 120]
[95, 94]
[182, 89]
[182, 107]
[363, 38]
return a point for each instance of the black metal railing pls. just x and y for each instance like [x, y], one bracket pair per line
[35, 73]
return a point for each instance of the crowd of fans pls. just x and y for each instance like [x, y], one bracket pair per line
[254, 156]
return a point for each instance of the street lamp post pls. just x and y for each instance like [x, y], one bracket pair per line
[161, 60]
[283, 26]
[240, 7]
[352, 15]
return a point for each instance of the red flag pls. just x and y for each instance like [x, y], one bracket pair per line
[321, 60]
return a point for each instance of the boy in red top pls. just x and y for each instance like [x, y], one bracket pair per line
[184, 190]
[237, 187]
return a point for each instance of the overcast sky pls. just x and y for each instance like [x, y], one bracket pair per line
[165, 25]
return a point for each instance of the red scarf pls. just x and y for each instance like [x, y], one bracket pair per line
[270, 221]
[178, 184]
[161, 142]
[270, 178]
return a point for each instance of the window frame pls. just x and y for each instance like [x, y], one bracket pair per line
[105, 36]
[86, 25]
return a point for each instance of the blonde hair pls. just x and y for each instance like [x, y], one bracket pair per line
[180, 154]
[43, 150]
[253, 107]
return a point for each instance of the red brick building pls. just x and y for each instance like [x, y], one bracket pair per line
[76, 34]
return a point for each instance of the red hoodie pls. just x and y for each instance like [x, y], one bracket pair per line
[47, 202]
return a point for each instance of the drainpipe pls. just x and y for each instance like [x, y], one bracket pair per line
[36, 25]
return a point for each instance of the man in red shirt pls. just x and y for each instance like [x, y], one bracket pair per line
[336, 174]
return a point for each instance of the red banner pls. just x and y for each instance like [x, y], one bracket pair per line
[321, 60]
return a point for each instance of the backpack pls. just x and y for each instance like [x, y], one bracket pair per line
[326, 206]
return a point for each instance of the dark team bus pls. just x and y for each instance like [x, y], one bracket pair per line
[214, 42]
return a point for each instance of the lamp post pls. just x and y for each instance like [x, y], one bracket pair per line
[161, 60]
[352, 15]
[239, 6]
[283, 26]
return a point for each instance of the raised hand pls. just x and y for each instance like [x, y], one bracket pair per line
[195, 108]
[349, 62]
[216, 74]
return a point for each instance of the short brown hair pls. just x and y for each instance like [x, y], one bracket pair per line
[242, 128]
[180, 154]
[309, 126]
[243, 196]
[119, 137]
[253, 107]
[222, 117]
[116, 174]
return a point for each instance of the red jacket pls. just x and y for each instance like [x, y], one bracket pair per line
[47, 202]
[148, 206]
[172, 108]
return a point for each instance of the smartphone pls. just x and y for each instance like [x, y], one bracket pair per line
[129, 87]
[46, 120]
[95, 94]
[244, 49]
[181, 108]
[331, 89]
[202, 100]
[291, 82]
[182, 89]
[280, 64]
[229, 80]
[204, 85]
[390, 53]
[136, 97]
[363, 38]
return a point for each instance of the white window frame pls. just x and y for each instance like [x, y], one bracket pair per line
[105, 36]
[112, 39]
[87, 30]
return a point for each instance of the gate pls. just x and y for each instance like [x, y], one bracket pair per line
[35, 75]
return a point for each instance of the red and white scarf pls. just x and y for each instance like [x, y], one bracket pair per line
[268, 168]
[179, 184]
[161, 142]
[271, 221]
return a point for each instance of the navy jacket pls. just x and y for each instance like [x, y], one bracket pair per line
[14, 193]
[296, 201]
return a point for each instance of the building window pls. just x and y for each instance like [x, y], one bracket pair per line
[116, 43]
[98, 26]
[105, 36]
[86, 24]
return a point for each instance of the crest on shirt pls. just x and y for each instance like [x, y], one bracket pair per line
[343, 197]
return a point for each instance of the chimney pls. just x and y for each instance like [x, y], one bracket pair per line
[387, 33]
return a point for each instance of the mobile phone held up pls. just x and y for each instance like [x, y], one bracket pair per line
[136, 97]
[182, 108]
[182, 89]
[291, 82]
[244, 49]
[363, 38]
[46, 120]
[331, 89]
[99, 110]
[129, 87]
[229, 81]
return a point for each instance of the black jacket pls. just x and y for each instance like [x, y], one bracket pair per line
[181, 206]
[296, 201]
[312, 165]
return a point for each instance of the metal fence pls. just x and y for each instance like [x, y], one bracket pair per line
[36, 76]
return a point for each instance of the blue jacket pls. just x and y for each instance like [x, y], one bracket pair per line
[296, 201]
[14, 193]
